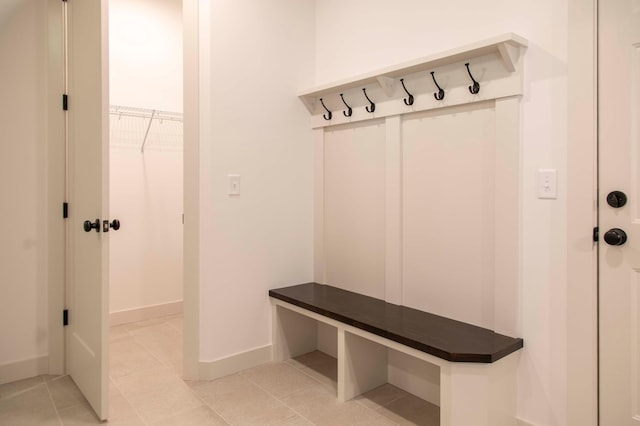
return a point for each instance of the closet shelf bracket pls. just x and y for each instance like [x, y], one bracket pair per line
[146, 135]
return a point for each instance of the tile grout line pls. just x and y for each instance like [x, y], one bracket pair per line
[322, 385]
[172, 368]
[279, 400]
[115, 385]
[206, 404]
[128, 402]
[301, 367]
[146, 348]
[373, 410]
[46, 385]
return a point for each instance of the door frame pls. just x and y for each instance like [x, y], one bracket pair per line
[56, 182]
[581, 359]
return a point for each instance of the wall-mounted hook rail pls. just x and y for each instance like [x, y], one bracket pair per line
[349, 110]
[476, 86]
[440, 95]
[407, 101]
[328, 115]
[371, 108]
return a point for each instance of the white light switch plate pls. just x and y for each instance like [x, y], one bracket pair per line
[234, 185]
[547, 184]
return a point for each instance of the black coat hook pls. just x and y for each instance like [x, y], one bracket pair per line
[328, 115]
[349, 110]
[371, 107]
[440, 95]
[476, 86]
[410, 100]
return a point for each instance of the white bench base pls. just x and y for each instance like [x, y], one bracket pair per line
[471, 394]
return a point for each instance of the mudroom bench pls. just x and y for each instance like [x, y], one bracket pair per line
[477, 367]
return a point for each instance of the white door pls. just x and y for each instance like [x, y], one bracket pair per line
[88, 263]
[619, 170]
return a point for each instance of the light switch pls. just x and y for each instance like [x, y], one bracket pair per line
[234, 185]
[547, 184]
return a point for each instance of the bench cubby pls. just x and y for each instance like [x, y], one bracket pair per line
[476, 378]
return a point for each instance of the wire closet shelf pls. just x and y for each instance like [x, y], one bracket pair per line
[130, 125]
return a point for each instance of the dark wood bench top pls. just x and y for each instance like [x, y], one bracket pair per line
[442, 337]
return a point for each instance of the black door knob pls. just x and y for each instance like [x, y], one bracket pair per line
[115, 224]
[88, 225]
[615, 237]
[616, 199]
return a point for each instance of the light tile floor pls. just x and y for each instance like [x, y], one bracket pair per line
[146, 389]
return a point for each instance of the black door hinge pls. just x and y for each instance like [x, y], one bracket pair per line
[596, 234]
[65, 102]
[65, 210]
[65, 317]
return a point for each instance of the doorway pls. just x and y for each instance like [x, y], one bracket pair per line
[146, 182]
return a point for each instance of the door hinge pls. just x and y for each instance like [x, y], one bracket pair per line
[65, 210]
[596, 234]
[65, 102]
[65, 317]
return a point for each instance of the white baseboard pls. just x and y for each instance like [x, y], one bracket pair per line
[24, 369]
[211, 370]
[145, 313]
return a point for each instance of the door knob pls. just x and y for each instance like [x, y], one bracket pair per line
[88, 225]
[615, 237]
[115, 224]
[616, 199]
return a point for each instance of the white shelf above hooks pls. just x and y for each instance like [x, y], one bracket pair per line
[506, 46]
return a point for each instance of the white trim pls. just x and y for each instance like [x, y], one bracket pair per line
[581, 200]
[195, 27]
[211, 370]
[145, 313]
[55, 171]
[393, 210]
[318, 208]
[24, 369]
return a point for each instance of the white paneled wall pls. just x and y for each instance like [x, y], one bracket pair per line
[436, 180]
[354, 203]
[448, 204]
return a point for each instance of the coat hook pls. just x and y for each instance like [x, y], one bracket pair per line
[328, 115]
[349, 110]
[440, 95]
[476, 86]
[371, 107]
[410, 100]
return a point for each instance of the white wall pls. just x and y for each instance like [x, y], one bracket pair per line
[362, 35]
[145, 53]
[23, 210]
[261, 54]
[145, 188]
